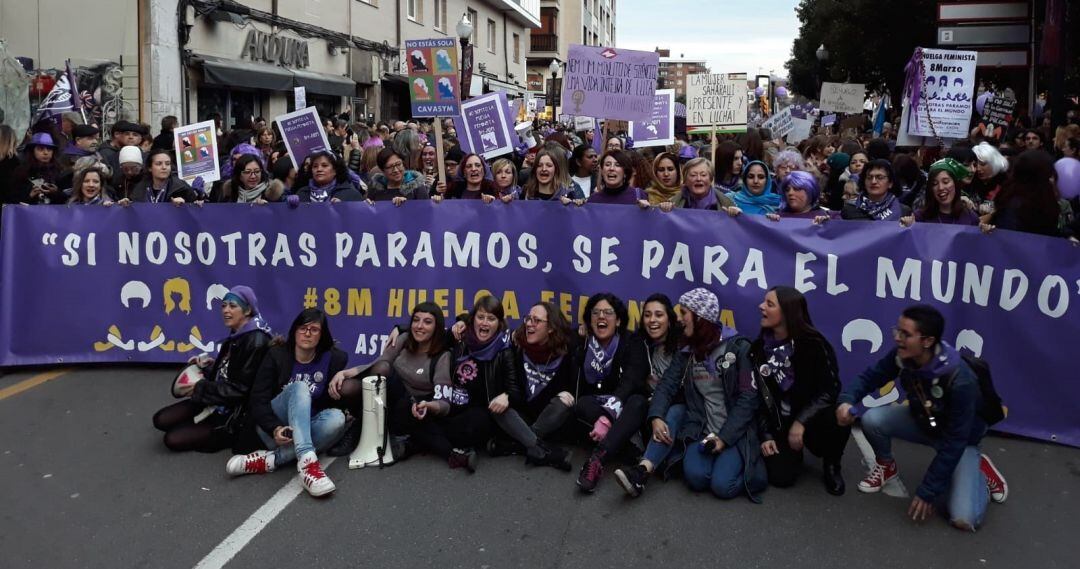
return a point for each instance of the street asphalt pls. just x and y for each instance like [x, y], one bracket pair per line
[85, 482]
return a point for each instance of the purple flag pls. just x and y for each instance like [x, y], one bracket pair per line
[63, 98]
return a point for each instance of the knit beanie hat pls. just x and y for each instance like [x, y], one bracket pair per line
[703, 303]
[955, 169]
[131, 155]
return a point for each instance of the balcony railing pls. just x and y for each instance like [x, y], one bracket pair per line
[544, 42]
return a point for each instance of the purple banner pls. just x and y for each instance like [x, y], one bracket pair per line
[140, 284]
[485, 126]
[609, 83]
[659, 129]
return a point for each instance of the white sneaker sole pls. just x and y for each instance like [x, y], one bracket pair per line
[874, 489]
[318, 492]
[623, 481]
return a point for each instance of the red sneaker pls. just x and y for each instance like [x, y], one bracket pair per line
[995, 482]
[882, 473]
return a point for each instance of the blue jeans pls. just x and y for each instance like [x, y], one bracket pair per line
[656, 452]
[722, 473]
[967, 496]
[309, 434]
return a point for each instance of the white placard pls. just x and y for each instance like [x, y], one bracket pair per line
[716, 99]
[299, 97]
[780, 124]
[583, 123]
[800, 131]
[947, 95]
[843, 97]
[197, 152]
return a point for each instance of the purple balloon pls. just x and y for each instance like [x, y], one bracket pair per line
[1068, 177]
[781, 91]
[980, 103]
[759, 91]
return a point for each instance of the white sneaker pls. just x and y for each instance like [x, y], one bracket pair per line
[315, 481]
[258, 462]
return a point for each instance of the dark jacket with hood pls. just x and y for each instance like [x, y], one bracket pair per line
[274, 374]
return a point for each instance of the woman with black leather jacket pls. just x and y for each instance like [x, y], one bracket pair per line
[224, 392]
[798, 369]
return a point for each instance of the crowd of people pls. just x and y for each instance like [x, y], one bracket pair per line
[1009, 184]
[683, 395]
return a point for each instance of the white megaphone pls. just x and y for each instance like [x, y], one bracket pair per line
[524, 131]
[374, 447]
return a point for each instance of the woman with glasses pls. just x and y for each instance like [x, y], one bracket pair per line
[608, 400]
[394, 182]
[544, 373]
[799, 382]
[294, 414]
[877, 199]
[251, 183]
[214, 414]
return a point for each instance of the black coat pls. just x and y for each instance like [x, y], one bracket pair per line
[499, 374]
[176, 188]
[244, 353]
[816, 387]
[272, 377]
[629, 371]
[563, 380]
[344, 191]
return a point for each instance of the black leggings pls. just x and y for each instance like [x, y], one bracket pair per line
[634, 410]
[823, 437]
[183, 434]
[467, 428]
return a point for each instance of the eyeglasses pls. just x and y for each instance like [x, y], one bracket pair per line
[876, 178]
[904, 334]
[395, 166]
[603, 312]
[309, 330]
[534, 321]
[251, 172]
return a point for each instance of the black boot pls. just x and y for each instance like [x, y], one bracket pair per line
[348, 441]
[544, 455]
[833, 478]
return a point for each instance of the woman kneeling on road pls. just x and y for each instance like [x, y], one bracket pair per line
[295, 415]
[225, 390]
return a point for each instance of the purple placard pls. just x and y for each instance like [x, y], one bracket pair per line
[303, 134]
[659, 130]
[609, 83]
[828, 120]
[485, 126]
[150, 275]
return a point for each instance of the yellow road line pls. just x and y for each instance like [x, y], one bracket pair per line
[31, 383]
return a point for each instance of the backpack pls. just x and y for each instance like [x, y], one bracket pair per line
[993, 409]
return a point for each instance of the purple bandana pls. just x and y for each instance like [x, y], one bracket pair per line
[598, 359]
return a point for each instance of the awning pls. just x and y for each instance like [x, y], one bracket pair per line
[508, 88]
[234, 73]
[324, 83]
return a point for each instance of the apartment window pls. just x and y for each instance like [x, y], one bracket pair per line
[475, 19]
[517, 48]
[491, 35]
[414, 10]
[440, 15]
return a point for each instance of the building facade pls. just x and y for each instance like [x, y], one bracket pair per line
[565, 22]
[674, 70]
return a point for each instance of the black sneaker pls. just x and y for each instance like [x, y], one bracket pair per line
[543, 455]
[463, 458]
[348, 441]
[632, 479]
[503, 447]
[591, 472]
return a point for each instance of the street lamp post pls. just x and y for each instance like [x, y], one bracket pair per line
[822, 56]
[554, 68]
[464, 31]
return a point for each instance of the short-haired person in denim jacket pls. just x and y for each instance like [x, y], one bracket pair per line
[943, 413]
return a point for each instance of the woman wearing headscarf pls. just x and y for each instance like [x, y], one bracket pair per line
[756, 195]
[799, 382]
[294, 414]
[251, 183]
[717, 443]
[943, 201]
[616, 168]
[214, 415]
[667, 179]
[877, 200]
[800, 199]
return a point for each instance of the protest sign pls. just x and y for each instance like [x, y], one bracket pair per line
[843, 97]
[828, 120]
[299, 97]
[197, 152]
[997, 114]
[609, 83]
[583, 123]
[717, 99]
[946, 84]
[780, 124]
[485, 126]
[659, 129]
[800, 130]
[303, 134]
[151, 278]
[434, 87]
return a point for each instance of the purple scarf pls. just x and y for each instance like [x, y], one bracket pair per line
[708, 201]
[778, 362]
[539, 375]
[598, 359]
[481, 352]
[320, 194]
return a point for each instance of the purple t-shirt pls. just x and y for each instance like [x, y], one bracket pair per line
[629, 196]
[316, 376]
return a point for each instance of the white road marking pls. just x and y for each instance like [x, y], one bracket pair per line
[895, 487]
[241, 536]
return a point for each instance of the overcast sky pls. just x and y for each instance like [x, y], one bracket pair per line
[731, 35]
